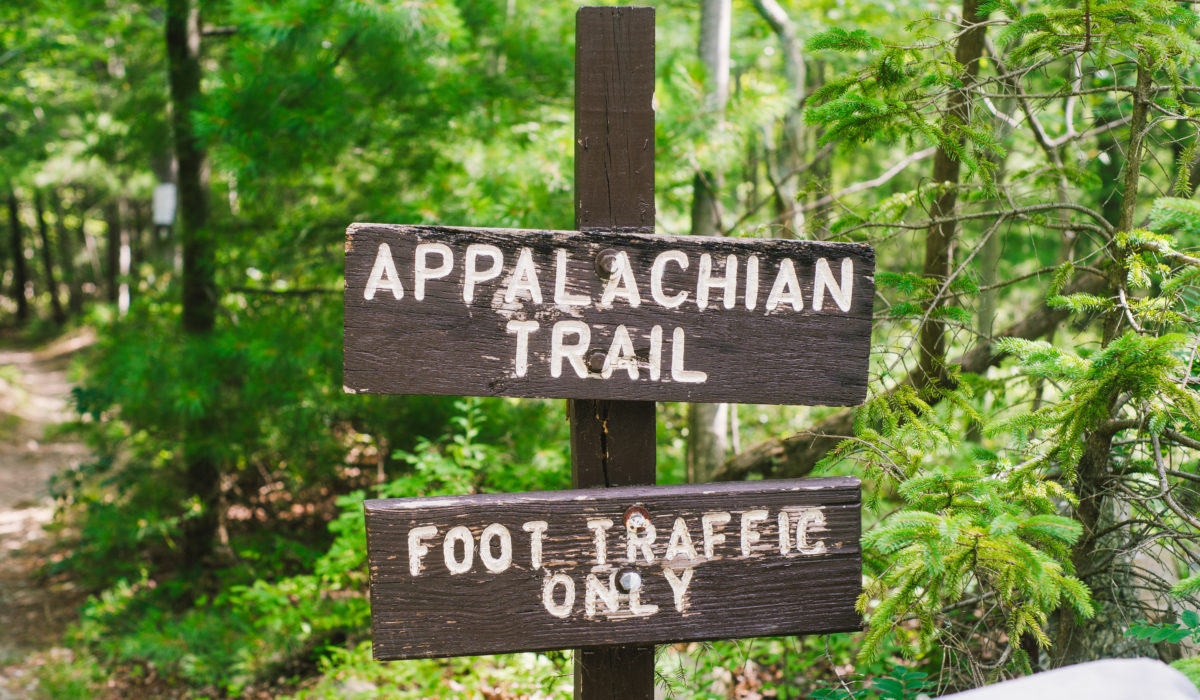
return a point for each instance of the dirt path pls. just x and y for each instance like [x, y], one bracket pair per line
[34, 398]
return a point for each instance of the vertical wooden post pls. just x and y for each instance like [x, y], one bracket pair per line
[612, 442]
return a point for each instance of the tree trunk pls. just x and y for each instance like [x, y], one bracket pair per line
[939, 240]
[72, 274]
[785, 161]
[20, 272]
[56, 308]
[708, 426]
[202, 478]
[1076, 639]
[112, 249]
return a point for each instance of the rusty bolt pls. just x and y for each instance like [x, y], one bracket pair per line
[595, 361]
[606, 263]
[637, 518]
[628, 581]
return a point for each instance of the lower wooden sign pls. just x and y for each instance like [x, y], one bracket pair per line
[494, 573]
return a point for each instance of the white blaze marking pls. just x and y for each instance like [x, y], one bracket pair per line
[522, 329]
[809, 517]
[599, 525]
[786, 288]
[620, 355]
[706, 281]
[417, 550]
[573, 353]
[681, 542]
[383, 274]
[554, 581]
[536, 530]
[422, 272]
[459, 534]
[609, 594]
[656, 274]
[678, 373]
[823, 278]
[524, 279]
[679, 586]
[561, 295]
[502, 561]
[655, 353]
[472, 275]
[709, 523]
[751, 536]
[622, 276]
[636, 540]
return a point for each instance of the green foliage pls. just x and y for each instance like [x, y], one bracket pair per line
[1190, 667]
[1188, 627]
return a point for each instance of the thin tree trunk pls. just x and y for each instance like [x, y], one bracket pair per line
[71, 272]
[17, 248]
[112, 248]
[1075, 639]
[56, 308]
[202, 478]
[785, 161]
[708, 424]
[939, 240]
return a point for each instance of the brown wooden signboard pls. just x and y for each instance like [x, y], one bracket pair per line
[493, 573]
[562, 314]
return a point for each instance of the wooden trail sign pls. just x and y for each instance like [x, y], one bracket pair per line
[591, 315]
[493, 573]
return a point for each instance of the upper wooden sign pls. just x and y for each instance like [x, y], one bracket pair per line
[588, 315]
[506, 572]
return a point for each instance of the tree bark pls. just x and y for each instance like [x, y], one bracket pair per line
[708, 426]
[17, 248]
[202, 474]
[939, 240]
[786, 159]
[56, 308]
[71, 272]
[1076, 639]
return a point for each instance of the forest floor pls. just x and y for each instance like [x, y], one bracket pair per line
[34, 401]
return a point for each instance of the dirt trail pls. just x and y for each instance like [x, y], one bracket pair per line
[34, 397]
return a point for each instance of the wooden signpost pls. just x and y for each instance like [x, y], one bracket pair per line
[611, 319]
[493, 573]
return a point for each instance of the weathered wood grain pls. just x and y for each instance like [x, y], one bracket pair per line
[444, 345]
[481, 611]
[612, 442]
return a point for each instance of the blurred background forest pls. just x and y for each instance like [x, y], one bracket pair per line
[1029, 448]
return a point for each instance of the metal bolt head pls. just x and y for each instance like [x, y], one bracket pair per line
[595, 361]
[637, 518]
[629, 581]
[606, 263]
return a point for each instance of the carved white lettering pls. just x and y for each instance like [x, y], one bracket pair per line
[750, 535]
[422, 272]
[598, 526]
[459, 534]
[416, 549]
[639, 539]
[572, 353]
[679, 586]
[383, 274]
[706, 281]
[823, 279]
[495, 563]
[678, 373]
[593, 589]
[710, 524]
[620, 355]
[537, 531]
[786, 289]
[472, 275]
[524, 279]
[656, 277]
[561, 295]
[809, 517]
[752, 282]
[522, 329]
[552, 582]
[621, 283]
[680, 543]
